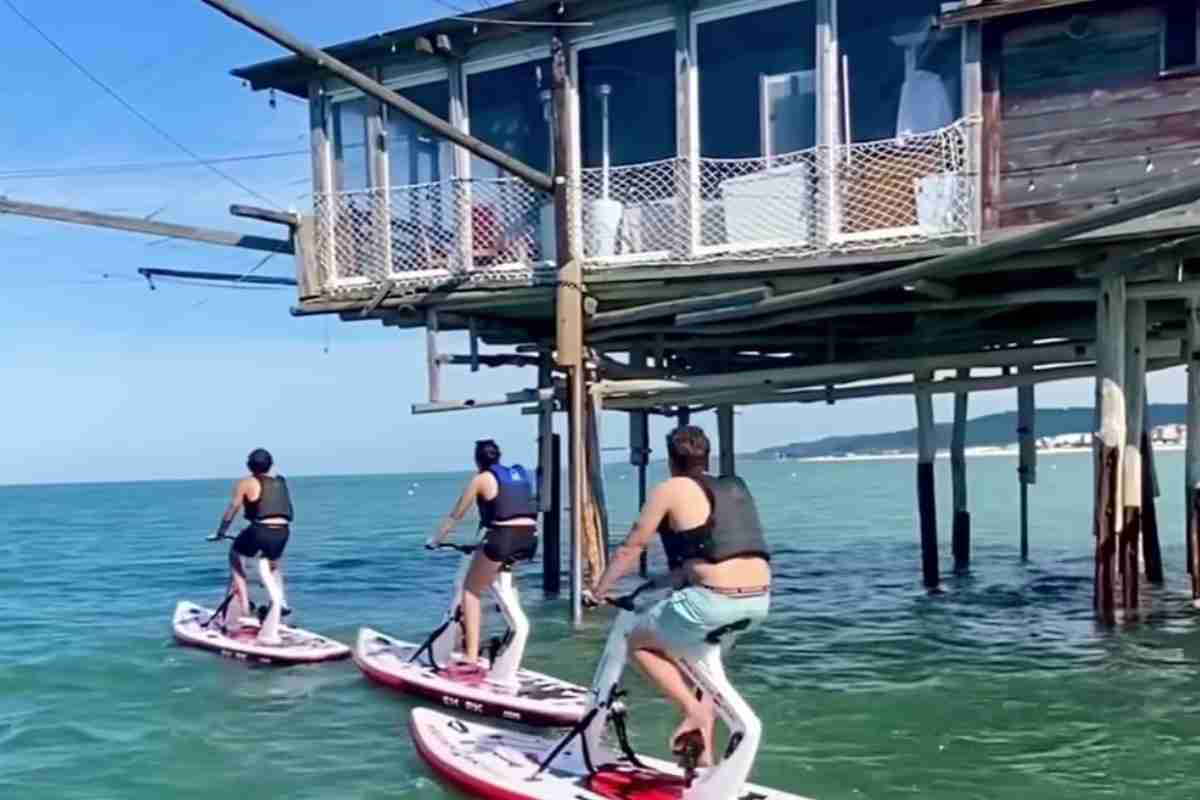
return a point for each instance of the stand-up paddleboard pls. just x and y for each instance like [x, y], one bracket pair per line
[298, 646]
[533, 698]
[496, 764]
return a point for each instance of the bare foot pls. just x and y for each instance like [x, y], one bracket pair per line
[688, 730]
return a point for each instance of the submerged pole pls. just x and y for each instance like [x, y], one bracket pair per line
[1129, 543]
[1151, 546]
[961, 535]
[926, 498]
[728, 461]
[1108, 515]
[1192, 463]
[552, 522]
[1027, 468]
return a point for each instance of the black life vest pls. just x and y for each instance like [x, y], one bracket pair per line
[513, 500]
[273, 500]
[732, 530]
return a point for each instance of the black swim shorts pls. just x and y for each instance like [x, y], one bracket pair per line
[508, 543]
[266, 541]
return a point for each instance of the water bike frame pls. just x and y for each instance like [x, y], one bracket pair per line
[704, 668]
[507, 651]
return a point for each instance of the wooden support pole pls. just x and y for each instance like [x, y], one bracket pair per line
[684, 415]
[431, 356]
[1027, 468]
[727, 459]
[1192, 455]
[569, 310]
[961, 535]
[552, 522]
[639, 450]
[1129, 544]
[1110, 408]
[1151, 546]
[926, 497]
[546, 439]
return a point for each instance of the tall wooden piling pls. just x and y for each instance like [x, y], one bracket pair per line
[727, 460]
[1129, 542]
[1108, 511]
[961, 535]
[1151, 546]
[1027, 466]
[639, 457]
[926, 497]
[684, 415]
[1192, 456]
[552, 521]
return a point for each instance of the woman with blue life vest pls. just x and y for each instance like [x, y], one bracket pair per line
[720, 573]
[508, 522]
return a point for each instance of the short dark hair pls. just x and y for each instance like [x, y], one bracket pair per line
[487, 453]
[688, 449]
[259, 461]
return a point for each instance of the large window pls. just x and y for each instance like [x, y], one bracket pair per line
[508, 109]
[634, 83]
[415, 153]
[351, 170]
[904, 74]
[758, 82]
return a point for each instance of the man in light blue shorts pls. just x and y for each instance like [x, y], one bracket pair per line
[720, 568]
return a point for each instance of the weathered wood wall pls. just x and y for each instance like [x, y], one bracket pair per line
[1085, 118]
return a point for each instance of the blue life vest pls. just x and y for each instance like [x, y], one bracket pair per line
[513, 501]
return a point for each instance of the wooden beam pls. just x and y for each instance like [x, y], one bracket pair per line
[1151, 545]
[687, 125]
[861, 370]
[226, 277]
[1028, 297]
[961, 534]
[511, 399]
[981, 255]
[670, 308]
[552, 522]
[433, 368]
[289, 218]
[977, 12]
[546, 438]
[935, 289]
[391, 99]
[151, 228]
[972, 103]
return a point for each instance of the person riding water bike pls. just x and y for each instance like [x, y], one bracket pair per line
[720, 573]
[508, 520]
[268, 509]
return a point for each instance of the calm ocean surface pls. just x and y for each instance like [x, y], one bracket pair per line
[1003, 687]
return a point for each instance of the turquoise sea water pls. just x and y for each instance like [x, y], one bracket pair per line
[1003, 687]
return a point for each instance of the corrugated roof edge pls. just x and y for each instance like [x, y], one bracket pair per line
[291, 74]
[994, 9]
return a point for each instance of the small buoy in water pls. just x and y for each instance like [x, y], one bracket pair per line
[411, 492]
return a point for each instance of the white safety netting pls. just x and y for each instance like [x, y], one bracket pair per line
[823, 201]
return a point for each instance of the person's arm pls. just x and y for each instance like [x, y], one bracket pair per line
[456, 514]
[231, 510]
[626, 556]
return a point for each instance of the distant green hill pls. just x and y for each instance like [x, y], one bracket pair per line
[991, 430]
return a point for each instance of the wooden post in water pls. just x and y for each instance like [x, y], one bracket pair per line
[1151, 546]
[552, 522]
[727, 459]
[961, 536]
[1108, 510]
[1027, 466]
[639, 452]
[569, 305]
[684, 415]
[1129, 542]
[926, 498]
[1192, 463]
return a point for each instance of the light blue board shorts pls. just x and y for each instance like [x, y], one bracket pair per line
[682, 620]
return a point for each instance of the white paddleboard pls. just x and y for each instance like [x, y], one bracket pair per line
[536, 699]
[298, 646]
[498, 764]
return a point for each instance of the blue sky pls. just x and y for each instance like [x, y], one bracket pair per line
[103, 379]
